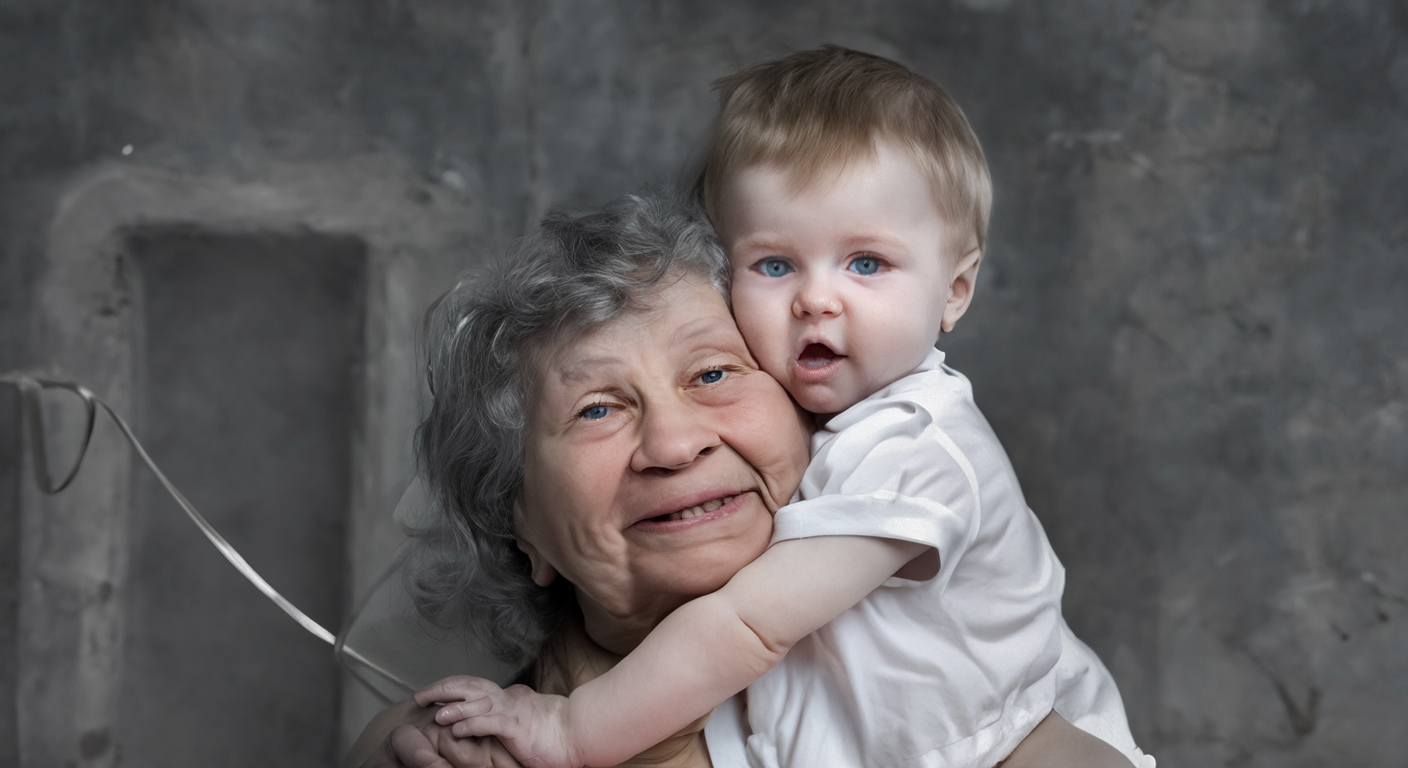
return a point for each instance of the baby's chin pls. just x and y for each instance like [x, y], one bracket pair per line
[824, 398]
[821, 400]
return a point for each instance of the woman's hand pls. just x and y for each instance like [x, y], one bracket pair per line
[433, 746]
[533, 726]
[406, 747]
[419, 742]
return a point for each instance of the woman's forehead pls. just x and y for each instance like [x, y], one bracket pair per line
[680, 318]
[679, 308]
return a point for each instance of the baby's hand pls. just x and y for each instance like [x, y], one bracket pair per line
[533, 727]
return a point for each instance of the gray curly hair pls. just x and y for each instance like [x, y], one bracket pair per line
[573, 274]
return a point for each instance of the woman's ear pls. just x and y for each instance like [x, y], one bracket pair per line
[542, 571]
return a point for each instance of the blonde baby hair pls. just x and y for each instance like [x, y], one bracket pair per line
[815, 111]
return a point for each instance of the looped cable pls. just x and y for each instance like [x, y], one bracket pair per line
[30, 388]
[33, 411]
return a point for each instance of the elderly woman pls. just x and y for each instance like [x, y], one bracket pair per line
[604, 449]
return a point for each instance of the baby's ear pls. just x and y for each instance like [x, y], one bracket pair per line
[960, 290]
[542, 571]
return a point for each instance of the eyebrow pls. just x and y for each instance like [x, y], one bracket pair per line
[866, 239]
[767, 242]
[698, 331]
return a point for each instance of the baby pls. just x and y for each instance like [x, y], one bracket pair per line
[908, 608]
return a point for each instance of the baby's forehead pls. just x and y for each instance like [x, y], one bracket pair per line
[870, 164]
[813, 172]
[851, 207]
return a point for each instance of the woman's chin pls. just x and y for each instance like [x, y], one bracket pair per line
[701, 555]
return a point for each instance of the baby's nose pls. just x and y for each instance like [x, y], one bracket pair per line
[816, 299]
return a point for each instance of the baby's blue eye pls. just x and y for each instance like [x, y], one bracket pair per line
[595, 412]
[774, 267]
[865, 265]
[712, 377]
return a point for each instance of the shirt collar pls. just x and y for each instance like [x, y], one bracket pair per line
[932, 361]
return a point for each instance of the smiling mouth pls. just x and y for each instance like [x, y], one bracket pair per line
[816, 356]
[694, 511]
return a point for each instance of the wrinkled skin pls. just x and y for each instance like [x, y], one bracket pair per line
[657, 411]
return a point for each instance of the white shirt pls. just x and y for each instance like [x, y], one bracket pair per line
[953, 670]
[1085, 695]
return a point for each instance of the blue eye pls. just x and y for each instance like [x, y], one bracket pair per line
[595, 412]
[774, 267]
[712, 377]
[865, 265]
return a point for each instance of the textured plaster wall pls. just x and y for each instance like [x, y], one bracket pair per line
[1189, 327]
[245, 398]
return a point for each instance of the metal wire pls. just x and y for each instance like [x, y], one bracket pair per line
[30, 388]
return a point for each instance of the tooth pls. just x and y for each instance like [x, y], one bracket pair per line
[699, 509]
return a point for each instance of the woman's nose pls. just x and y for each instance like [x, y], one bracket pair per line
[816, 298]
[672, 438]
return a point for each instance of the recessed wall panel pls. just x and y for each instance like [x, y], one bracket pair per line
[248, 354]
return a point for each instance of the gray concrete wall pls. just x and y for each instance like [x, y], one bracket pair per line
[10, 479]
[1188, 329]
[248, 353]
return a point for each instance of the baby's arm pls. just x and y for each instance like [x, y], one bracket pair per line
[714, 646]
[707, 650]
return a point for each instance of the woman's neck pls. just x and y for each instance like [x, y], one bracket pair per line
[621, 634]
[571, 658]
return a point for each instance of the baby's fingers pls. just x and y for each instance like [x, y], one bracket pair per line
[503, 726]
[457, 688]
[457, 711]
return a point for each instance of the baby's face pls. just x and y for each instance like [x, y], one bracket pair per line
[840, 289]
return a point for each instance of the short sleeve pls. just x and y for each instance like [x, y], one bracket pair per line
[893, 473]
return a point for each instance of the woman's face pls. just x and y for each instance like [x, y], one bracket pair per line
[656, 455]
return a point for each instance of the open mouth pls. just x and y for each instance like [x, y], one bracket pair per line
[692, 512]
[817, 364]
[816, 356]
